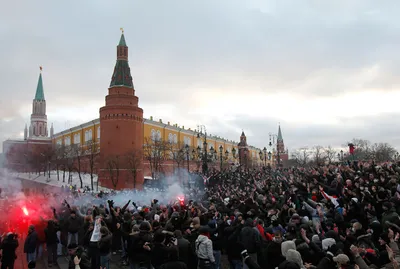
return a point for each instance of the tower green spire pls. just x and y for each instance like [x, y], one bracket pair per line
[280, 138]
[122, 73]
[39, 96]
[122, 42]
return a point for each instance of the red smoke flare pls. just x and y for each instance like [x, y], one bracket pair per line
[25, 211]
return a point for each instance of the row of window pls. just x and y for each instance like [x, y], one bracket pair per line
[77, 138]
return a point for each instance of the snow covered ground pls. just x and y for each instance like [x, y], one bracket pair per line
[53, 181]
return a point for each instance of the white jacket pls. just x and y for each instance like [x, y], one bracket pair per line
[204, 248]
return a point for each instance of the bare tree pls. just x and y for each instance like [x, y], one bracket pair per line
[58, 158]
[330, 154]
[155, 152]
[178, 154]
[318, 154]
[382, 152]
[302, 156]
[92, 155]
[113, 166]
[134, 160]
[78, 153]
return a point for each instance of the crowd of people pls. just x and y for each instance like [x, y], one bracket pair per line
[343, 215]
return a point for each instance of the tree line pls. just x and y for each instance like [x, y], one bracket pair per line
[364, 150]
[84, 159]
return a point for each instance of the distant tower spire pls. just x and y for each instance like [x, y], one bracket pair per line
[26, 132]
[122, 72]
[38, 126]
[51, 130]
[280, 138]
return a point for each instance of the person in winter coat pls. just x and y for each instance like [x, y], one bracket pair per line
[30, 244]
[139, 248]
[105, 244]
[75, 251]
[204, 249]
[73, 225]
[8, 246]
[51, 242]
[183, 246]
[173, 261]
[251, 240]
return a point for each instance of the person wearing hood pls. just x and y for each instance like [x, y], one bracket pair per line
[140, 246]
[30, 244]
[77, 253]
[251, 240]
[8, 246]
[105, 244]
[51, 242]
[204, 249]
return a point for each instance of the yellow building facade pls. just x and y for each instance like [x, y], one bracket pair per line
[176, 135]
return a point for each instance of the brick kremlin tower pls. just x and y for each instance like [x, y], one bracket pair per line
[243, 150]
[280, 146]
[121, 128]
[38, 127]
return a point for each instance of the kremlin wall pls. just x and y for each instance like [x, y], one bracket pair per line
[121, 146]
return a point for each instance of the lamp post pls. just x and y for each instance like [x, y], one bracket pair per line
[341, 155]
[272, 137]
[221, 149]
[263, 156]
[204, 156]
[187, 156]
[396, 155]
[234, 153]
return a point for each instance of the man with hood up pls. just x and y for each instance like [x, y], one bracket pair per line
[204, 249]
[30, 244]
[9, 245]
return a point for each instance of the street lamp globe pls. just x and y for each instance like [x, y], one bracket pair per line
[212, 150]
[198, 150]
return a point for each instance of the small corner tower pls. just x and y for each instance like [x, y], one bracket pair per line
[38, 126]
[121, 122]
[243, 150]
[280, 145]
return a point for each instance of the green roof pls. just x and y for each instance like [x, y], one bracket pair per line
[122, 75]
[122, 41]
[280, 133]
[39, 90]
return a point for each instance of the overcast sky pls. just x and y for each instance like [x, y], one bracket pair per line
[328, 71]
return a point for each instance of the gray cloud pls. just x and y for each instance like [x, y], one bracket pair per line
[179, 48]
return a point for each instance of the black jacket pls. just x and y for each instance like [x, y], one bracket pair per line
[104, 244]
[31, 242]
[85, 261]
[9, 245]
[136, 252]
[73, 225]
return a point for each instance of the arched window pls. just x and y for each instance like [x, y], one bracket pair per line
[186, 141]
[170, 138]
[158, 136]
[98, 133]
[34, 130]
[59, 142]
[153, 134]
[67, 140]
[90, 135]
[175, 139]
[77, 139]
